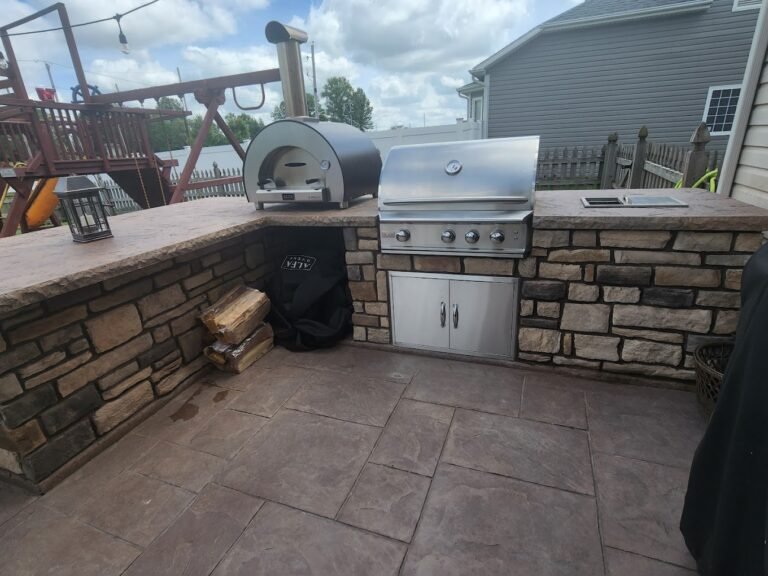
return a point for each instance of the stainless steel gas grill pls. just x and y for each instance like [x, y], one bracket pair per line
[302, 159]
[472, 198]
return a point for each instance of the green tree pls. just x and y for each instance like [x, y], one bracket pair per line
[244, 125]
[343, 103]
[215, 136]
[278, 113]
[168, 133]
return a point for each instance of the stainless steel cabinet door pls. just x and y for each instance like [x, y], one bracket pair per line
[482, 317]
[420, 311]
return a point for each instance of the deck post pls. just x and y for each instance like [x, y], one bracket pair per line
[608, 166]
[697, 158]
[638, 159]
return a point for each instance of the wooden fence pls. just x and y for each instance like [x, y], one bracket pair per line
[614, 165]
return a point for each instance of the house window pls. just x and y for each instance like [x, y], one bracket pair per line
[721, 108]
[477, 109]
[747, 4]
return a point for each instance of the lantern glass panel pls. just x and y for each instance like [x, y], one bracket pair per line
[85, 214]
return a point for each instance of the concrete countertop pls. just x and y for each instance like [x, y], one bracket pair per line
[47, 263]
[562, 209]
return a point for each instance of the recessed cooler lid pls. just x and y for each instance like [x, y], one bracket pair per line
[494, 175]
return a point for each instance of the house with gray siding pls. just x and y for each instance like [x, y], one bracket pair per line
[616, 65]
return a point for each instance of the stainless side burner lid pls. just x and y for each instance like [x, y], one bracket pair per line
[497, 174]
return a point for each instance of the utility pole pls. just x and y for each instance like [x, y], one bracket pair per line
[50, 77]
[184, 100]
[314, 81]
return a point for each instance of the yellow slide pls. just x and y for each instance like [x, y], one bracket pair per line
[43, 205]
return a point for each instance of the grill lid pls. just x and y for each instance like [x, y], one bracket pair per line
[497, 174]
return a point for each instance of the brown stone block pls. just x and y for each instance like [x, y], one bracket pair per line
[119, 388]
[60, 370]
[359, 257]
[41, 364]
[369, 273]
[584, 238]
[166, 371]
[155, 353]
[568, 343]
[23, 439]
[228, 266]
[653, 370]
[551, 238]
[121, 296]
[209, 260]
[635, 239]
[585, 317]
[22, 316]
[651, 352]
[656, 257]
[733, 279]
[576, 362]
[384, 322]
[363, 291]
[118, 375]
[192, 343]
[158, 302]
[665, 318]
[394, 262]
[365, 320]
[669, 337]
[350, 239]
[72, 298]
[726, 322]
[623, 294]
[17, 356]
[449, 264]
[378, 335]
[113, 413]
[368, 232]
[526, 267]
[381, 286]
[27, 406]
[526, 307]
[176, 312]
[186, 322]
[10, 387]
[368, 245]
[699, 277]
[579, 255]
[103, 364]
[161, 333]
[3, 345]
[116, 282]
[748, 242]
[171, 276]
[71, 409]
[376, 308]
[583, 292]
[198, 280]
[548, 309]
[354, 273]
[114, 327]
[47, 324]
[560, 271]
[181, 375]
[703, 241]
[732, 260]
[597, 347]
[359, 334]
[80, 345]
[489, 266]
[718, 299]
[539, 340]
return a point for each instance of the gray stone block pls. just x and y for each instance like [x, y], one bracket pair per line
[544, 290]
[624, 275]
[28, 405]
[58, 451]
[667, 297]
[71, 409]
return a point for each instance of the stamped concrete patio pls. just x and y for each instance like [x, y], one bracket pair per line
[359, 462]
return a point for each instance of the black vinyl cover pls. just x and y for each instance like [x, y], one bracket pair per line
[311, 306]
[724, 518]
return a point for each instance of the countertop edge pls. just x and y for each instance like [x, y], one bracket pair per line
[688, 223]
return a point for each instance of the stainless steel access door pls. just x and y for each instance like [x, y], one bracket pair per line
[420, 311]
[473, 315]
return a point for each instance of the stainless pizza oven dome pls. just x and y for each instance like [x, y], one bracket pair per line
[305, 160]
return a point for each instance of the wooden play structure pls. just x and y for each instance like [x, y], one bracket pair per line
[41, 141]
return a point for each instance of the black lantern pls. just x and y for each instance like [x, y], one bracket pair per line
[82, 206]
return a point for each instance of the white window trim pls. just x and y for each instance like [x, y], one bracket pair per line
[738, 8]
[709, 100]
[472, 107]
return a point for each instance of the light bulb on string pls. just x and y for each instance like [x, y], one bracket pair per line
[121, 36]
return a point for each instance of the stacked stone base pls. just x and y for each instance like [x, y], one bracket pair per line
[632, 302]
[76, 366]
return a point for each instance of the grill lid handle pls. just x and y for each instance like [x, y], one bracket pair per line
[457, 200]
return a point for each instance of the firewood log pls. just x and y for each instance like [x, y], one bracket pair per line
[236, 314]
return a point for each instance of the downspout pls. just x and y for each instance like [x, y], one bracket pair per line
[288, 39]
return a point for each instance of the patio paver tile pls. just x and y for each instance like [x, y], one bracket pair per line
[282, 540]
[553, 404]
[134, 507]
[386, 501]
[197, 541]
[48, 542]
[640, 505]
[180, 466]
[532, 451]
[265, 396]
[227, 432]
[303, 460]
[619, 563]
[662, 426]
[348, 397]
[364, 362]
[12, 500]
[479, 523]
[414, 437]
[468, 390]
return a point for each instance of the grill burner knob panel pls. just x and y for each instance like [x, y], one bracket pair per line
[497, 236]
[448, 236]
[403, 235]
[472, 237]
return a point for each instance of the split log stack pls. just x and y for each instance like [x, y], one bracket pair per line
[236, 320]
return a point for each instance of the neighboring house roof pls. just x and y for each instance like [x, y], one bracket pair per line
[470, 88]
[593, 13]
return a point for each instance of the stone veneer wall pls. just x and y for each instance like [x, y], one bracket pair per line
[76, 366]
[636, 302]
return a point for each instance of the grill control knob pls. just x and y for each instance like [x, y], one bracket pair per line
[497, 236]
[448, 236]
[403, 235]
[472, 236]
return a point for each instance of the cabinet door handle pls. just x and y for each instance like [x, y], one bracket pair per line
[455, 315]
[442, 314]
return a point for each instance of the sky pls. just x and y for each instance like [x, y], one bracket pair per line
[409, 56]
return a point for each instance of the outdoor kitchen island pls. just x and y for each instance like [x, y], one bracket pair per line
[93, 336]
